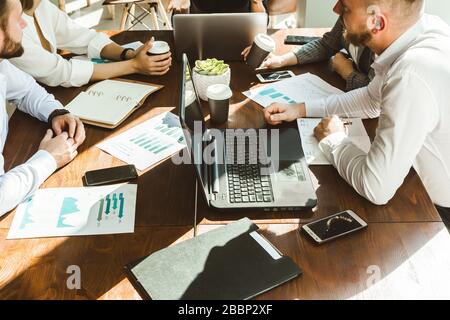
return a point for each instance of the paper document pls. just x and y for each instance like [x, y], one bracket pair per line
[302, 88]
[109, 101]
[61, 212]
[148, 143]
[356, 133]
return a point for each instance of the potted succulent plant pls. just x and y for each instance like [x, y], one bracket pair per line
[208, 72]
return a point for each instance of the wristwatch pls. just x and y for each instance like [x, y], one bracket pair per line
[56, 113]
[123, 55]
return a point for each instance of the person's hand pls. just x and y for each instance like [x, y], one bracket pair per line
[276, 113]
[342, 65]
[62, 148]
[328, 126]
[155, 65]
[272, 61]
[70, 124]
[179, 6]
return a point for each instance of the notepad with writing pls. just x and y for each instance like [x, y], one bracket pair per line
[109, 102]
[230, 262]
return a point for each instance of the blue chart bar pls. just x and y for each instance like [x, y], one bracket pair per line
[274, 94]
[151, 144]
[267, 91]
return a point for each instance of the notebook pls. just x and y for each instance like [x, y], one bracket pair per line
[355, 130]
[109, 102]
[230, 262]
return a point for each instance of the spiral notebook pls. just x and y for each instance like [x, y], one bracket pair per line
[230, 262]
[109, 102]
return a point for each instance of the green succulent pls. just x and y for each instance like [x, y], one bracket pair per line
[211, 67]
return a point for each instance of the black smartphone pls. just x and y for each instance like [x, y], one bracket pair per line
[334, 226]
[299, 40]
[110, 175]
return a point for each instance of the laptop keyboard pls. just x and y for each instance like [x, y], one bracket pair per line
[245, 182]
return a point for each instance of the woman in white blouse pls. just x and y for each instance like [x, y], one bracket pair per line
[50, 29]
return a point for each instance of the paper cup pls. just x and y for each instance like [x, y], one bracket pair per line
[262, 46]
[219, 102]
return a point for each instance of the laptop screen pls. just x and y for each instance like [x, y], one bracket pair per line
[193, 123]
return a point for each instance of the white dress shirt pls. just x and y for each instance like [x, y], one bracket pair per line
[62, 33]
[23, 180]
[411, 95]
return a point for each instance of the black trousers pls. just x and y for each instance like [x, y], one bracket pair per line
[445, 215]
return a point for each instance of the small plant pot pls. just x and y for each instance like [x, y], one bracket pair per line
[202, 81]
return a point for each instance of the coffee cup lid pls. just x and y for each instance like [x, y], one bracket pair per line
[159, 47]
[265, 42]
[189, 97]
[219, 92]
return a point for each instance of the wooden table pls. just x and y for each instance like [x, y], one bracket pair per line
[406, 235]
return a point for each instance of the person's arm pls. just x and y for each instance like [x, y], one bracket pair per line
[362, 103]
[406, 120]
[27, 94]
[258, 5]
[22, 181]
[321, 49]
[356, 80]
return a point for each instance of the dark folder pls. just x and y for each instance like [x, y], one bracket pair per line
[230, 262]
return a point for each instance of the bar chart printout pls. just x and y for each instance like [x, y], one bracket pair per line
[147, 143]
[76, 211]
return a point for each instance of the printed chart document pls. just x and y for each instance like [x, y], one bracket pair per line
[148, 143]
[314, 156]
[305, 87]
[61, 212]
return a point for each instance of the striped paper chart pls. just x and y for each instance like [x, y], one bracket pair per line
[148, 143]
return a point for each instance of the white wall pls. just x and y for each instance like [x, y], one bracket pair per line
[319, 13]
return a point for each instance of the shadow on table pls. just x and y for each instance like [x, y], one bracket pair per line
[385, 261]
[37, 268]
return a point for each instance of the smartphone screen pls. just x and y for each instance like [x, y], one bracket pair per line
[335, 225]
[110, 175]
[275, 76]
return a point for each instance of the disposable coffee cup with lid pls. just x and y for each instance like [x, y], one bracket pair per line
[262, 46]
[158, 47]
[219, 102]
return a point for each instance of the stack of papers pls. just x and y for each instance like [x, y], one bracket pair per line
[314, 156]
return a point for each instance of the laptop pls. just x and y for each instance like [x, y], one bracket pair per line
[231, 174]
[222, 35]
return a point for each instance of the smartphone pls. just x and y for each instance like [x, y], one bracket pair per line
[274, 76]
[334, 226]
[299, 40]
[110, 175]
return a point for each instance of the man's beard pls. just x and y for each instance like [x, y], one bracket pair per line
[11, 49]
[358, 39]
